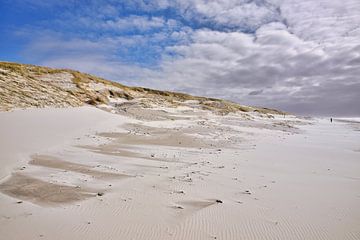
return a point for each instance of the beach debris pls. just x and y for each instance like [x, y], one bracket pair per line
[178, 207]
[18, 202]
[100, 194]
[218, 201]
[247, 192]
[187, 179]
[179, 192]
[152, 155]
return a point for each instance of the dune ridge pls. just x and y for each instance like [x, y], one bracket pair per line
[25, 86]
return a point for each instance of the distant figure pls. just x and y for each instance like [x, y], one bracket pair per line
[330, 119]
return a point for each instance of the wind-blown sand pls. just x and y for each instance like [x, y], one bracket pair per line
[176, 173]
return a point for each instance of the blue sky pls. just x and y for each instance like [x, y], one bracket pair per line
[22, 22]
[300, 56]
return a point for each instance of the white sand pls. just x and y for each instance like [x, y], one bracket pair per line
[302, 186]
[25, 132]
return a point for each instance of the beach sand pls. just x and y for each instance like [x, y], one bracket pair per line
[177, 173]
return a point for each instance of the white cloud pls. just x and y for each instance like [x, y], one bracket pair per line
[134, 22]
[301, 56]
[282, 69]
[231, 13]
[323, 21]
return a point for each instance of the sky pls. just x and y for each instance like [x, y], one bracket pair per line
[301, 56]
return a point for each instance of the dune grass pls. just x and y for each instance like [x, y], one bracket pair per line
[117, 90]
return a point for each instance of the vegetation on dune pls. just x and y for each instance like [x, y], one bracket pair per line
[36, 86]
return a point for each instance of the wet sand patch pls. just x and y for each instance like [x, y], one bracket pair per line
[118, 151]
[43, 193]
[112, 150]
[53, 162]
[170, 139]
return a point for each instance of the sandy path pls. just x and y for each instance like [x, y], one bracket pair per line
[243, 180]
